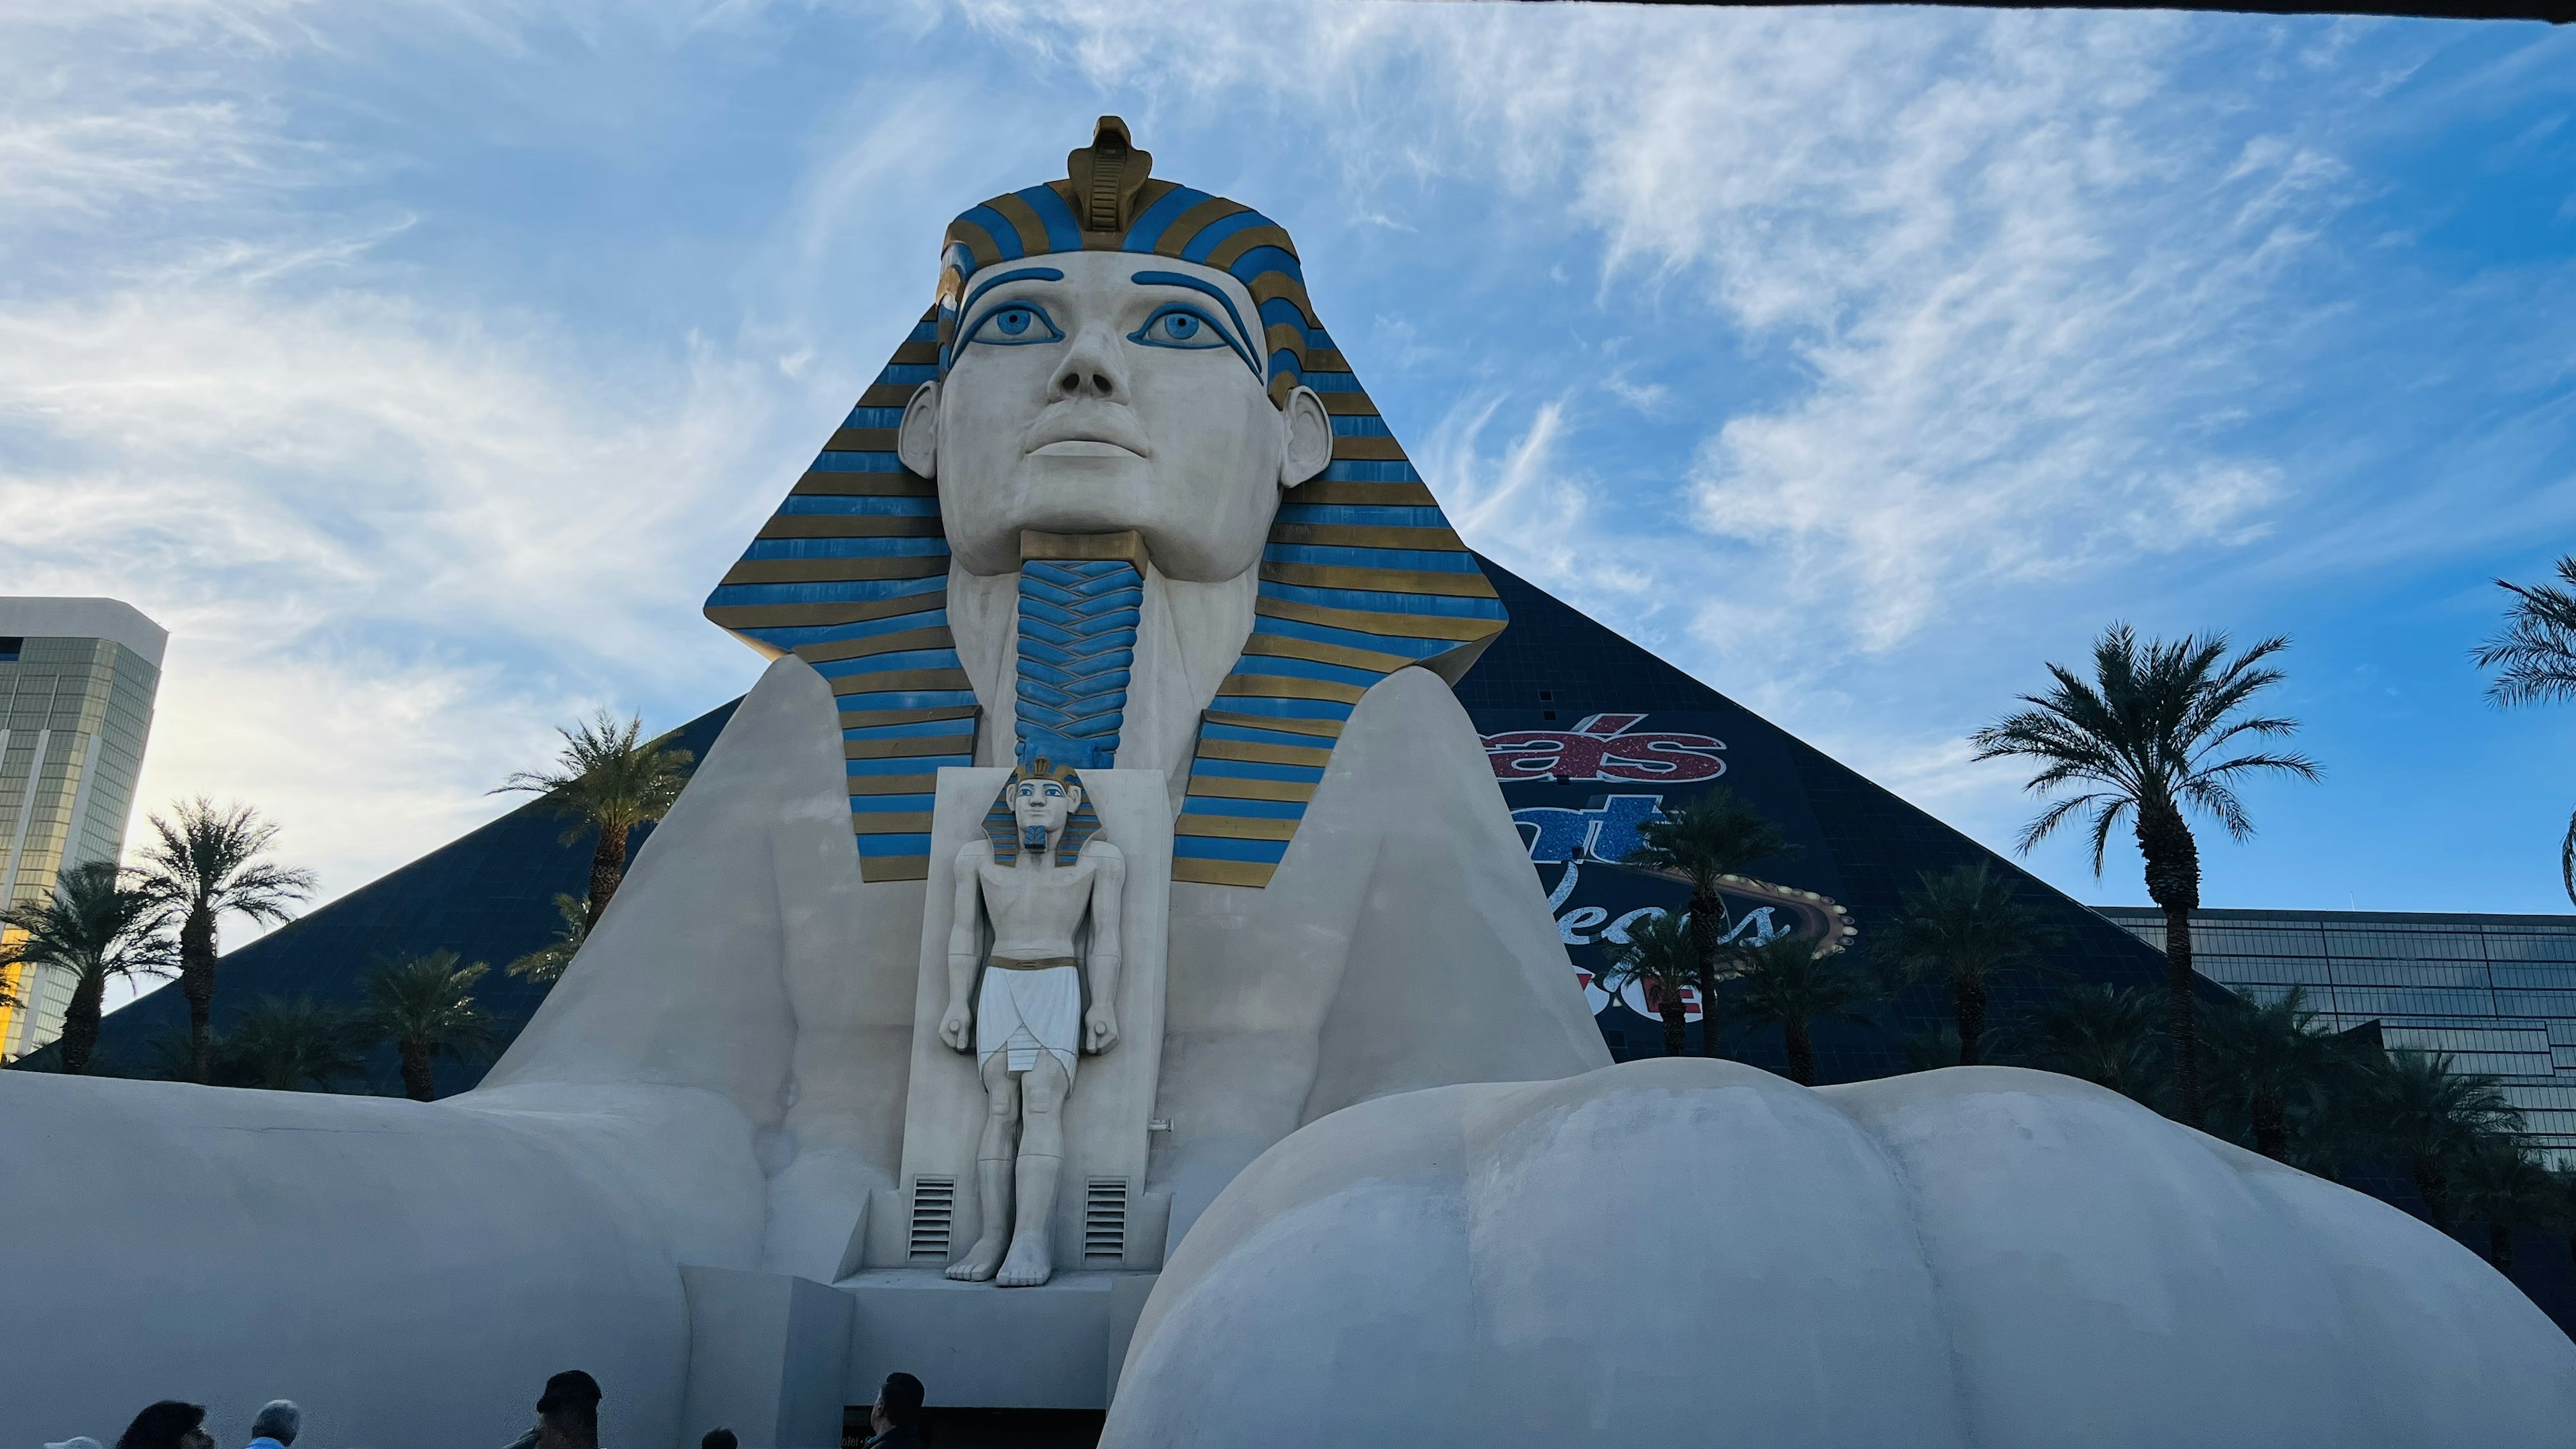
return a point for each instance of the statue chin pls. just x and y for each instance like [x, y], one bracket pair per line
[1193, 529]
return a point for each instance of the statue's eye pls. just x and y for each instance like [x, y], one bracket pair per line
[1014, 324]
[1176, 325]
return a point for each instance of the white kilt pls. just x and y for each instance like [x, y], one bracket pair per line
[1022, 1013]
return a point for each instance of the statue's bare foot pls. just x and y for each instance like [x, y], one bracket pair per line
[980, 1261]
[1028, 1265]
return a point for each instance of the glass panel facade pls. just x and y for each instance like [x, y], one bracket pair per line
[74, 716]
[2497, 993]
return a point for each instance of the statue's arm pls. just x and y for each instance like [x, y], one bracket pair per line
[1108, 892]
[956, 1025]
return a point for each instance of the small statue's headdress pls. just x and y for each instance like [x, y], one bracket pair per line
[1002, 828]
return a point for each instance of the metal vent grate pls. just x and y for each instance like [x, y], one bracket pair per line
[934, 1207]
[1104, 1219]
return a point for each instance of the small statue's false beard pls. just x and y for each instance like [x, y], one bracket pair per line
[1033, 837]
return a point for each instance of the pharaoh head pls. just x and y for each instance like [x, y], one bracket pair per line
[1117, 352]
[1041, 801]
[1041, 804]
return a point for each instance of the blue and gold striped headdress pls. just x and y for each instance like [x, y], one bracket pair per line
[1361, 577]
[1002, 827]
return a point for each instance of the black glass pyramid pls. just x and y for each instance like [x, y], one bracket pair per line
[1589, 734]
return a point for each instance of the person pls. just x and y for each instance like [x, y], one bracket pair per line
[568, 1413]
[278, 1423]
[896, 1415]
[719, 1439]
[169, 1424]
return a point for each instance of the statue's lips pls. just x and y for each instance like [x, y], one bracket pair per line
[1092, 432]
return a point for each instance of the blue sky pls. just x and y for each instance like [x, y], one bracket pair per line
[421, 366]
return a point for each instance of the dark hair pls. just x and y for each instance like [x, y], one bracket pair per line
[719, 1439]
[164, 1424]
[902, 1399]
[572, 1398]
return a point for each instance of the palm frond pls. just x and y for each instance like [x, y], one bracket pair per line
[2535, 657]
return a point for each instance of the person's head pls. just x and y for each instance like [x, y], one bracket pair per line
[169, 1424]
[1118, 353]
[568, 1412]
[279, 1419]
[898, 1403]
[719, 1439]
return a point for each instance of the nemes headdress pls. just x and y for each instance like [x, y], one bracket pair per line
[1361, 576]
[1002, 827]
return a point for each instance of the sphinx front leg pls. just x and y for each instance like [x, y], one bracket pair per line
[992, 1174]
[1042, 1093]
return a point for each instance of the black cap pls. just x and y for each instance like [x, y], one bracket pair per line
[569, 1390]
[902, 1397]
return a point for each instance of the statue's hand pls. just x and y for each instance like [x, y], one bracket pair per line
[1100, 1029]
[954, 1026]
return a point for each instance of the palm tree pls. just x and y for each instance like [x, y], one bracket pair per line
[2104, 1034]
[100, 924]
[2430, 1116]
[2272, 1059]
[292, 1045]
[611, 778]
[1712, 837]
[2148, 739]
[1785, 982]
[1969, 927]
[206, 861]
[1660, 956]
[425, 1006]
[2535, 663]
[547, 962]
[2503, 1183]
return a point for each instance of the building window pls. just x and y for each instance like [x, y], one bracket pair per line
[10, 648]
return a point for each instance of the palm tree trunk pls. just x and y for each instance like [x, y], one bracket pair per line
[1709, 1035]
[197, 983]
[2271, 1125]
[1969, 1006]
[2435, 1185]
[2173, 882]
[607, 868]
[2500, 1246]
[80, 1023]
[1802, 1053]
[417, 1082]
[1668, 1001]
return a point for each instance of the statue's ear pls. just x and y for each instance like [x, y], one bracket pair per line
[917, 442]
[1310, 438]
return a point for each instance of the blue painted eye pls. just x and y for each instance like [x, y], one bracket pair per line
[1176, 325]
[1014, 324]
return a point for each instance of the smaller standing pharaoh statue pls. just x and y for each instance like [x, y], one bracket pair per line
[1039, 874]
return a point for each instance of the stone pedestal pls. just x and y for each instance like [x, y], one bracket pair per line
[769, 1358]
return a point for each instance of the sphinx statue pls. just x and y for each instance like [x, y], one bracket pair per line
[1117, 503]
[1101, 916]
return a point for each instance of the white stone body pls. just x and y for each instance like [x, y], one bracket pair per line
[1695, 1252]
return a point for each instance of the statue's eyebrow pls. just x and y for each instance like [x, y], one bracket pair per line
[1019, 274]
[1176, 279]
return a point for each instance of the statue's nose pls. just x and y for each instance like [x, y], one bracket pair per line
[1091, 369]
